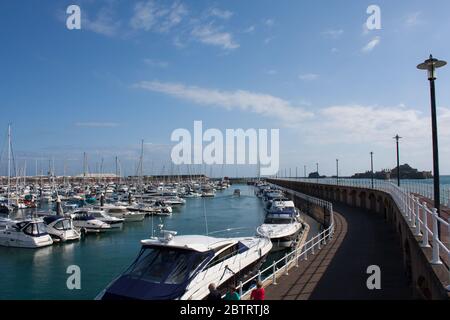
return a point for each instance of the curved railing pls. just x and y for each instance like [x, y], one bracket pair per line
[423, 220]
[283, 265]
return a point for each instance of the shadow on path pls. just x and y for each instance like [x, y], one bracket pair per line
[338, 270]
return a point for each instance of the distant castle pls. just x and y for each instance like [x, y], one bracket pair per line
[406, 172]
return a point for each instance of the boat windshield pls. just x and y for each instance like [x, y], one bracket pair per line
[65, 224]
[278, 220]
[35, 229]
[165, 265]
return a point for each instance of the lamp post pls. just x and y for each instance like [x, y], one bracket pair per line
[397, 138]
[337, 171]
[371, 167]
[317, 166]
[431, 65]
[304, 170]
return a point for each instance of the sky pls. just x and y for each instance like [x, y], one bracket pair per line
[141, 69]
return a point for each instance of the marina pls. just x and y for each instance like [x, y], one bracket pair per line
[177, 151]
[43, 270]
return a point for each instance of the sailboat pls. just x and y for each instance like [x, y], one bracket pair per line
[6, 208]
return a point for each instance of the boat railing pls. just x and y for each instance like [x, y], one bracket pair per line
[284, 264]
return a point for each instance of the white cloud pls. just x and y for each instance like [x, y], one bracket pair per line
[271, 72]
[97, 124]
[103, 23]
[156, 63]
[259, 103]
[269, 22]
[413, 19]
[250, 29]
[222, 14]
[268, 40]
[308, 76]
[371, 45]
[333, 33]
[373, 126]
[208, 34]
[151, 16]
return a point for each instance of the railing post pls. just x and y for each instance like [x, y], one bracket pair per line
[435, 259]
[448, 198]
[320, 240]
[425, 243]
[259, 275]
[286, 265]
[306, 252]
[413, 211]
[296, 258]
[274, 274]
[417, 230]
[448, 255]
[312, 246]
[240, 288]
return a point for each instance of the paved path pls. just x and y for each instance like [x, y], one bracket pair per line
[338, 271]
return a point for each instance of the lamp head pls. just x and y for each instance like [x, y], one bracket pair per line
[431, 65]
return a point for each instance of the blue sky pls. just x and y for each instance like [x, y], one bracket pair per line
[140, 69]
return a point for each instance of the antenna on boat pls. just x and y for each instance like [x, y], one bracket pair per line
[204, 212]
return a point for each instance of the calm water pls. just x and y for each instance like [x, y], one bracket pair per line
[41, 273]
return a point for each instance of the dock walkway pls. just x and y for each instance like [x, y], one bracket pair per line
[338, 270]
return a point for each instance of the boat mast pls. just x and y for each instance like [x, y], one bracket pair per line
[9, 161]
[141, 165]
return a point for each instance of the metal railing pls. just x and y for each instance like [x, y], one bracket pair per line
[423, 220]
[421, 187]
[310, 247]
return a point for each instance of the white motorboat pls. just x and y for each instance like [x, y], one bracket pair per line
[61, 228]
[24, 234]
[208, 193]
[173, 201]
[124, 213]
[114, 222]
[182, 267]
[282, 224]
[86, 223]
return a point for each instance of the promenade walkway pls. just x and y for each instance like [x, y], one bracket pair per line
[338, 270]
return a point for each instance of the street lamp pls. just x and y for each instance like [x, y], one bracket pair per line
[397, 138]
[304, 171]
[431, 65]
[371, 166]
[337, 171]
[317, 166]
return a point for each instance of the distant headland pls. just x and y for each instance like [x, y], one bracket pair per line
[406, 172]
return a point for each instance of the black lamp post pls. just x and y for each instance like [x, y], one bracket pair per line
[337, 171]
[304, 170]
[431, 65]
[371, 166]
[317, 166]
[397, 138]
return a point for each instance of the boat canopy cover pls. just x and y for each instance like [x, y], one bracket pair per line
[50, 219]
[158, 273]
[190, 242]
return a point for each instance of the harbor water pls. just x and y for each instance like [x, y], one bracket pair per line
[42, 273]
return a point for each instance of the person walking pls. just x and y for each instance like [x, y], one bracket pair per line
[232, 294]
[214, 294]
[258, 293]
